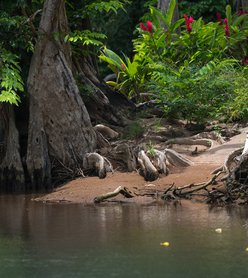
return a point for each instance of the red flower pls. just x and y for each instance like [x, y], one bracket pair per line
[143, 27]
[188, 21]
[148, 27]
[219, 19]
[123, 67]
[227, 29]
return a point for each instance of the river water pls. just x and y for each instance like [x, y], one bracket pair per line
[61, 240]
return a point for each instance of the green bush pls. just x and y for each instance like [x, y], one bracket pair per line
[192, 68]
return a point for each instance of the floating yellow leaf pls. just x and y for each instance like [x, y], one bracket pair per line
[166, 243]
[246, 249]
[219, 230]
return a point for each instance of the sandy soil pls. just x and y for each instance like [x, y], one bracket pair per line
[84, 190]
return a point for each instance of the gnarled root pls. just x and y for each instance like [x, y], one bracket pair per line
[124, 153]
[94, 161]
[159, 161]
[148, 170]
[156, 163]
[106, 131]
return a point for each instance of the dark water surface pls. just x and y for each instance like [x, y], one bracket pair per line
[44, 240]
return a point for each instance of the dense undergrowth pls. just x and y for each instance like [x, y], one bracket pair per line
[192, 69]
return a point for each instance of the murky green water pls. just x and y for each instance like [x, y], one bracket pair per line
[42, 240]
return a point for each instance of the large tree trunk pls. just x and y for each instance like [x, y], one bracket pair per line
[11, 168]
[242, 5]
[103, 104]
[164, 5]
[60, 131]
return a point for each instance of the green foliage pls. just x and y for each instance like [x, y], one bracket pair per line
[237, 108]
[15, 32]
[129, 76]
[133, 131]
[10, 78]
[192, 73]
[86, 37]
[202, 8]
[150, 150]
[195, 93]
[119, 27]
[106, 6]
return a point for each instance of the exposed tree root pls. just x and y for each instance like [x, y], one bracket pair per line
[147, 169]
[232, 176]
[190, 141]
[94, 161]
[159, 161]
[177, 159]
[124, 153]
[106, 131]
[212, 135]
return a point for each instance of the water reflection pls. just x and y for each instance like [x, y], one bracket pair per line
[45, 240]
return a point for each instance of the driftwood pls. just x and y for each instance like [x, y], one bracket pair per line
[119, 190]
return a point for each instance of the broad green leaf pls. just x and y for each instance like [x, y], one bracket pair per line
[229, 13]
[170, 12]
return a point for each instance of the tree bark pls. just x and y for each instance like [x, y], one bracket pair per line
[11, 168]
[242, 5]
[164, 5]
[59, 124]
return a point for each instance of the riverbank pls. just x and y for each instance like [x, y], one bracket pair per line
[84, 190]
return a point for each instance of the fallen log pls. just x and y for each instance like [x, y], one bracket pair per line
[119, 190]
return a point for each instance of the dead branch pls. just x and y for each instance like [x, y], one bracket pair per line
[196, 187]
[119, 190]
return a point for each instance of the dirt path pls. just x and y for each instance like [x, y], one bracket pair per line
[84, 190]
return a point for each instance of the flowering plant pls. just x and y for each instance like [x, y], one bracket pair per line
[188, 22]
[148, 27]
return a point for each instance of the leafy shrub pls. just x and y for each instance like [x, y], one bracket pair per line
[10, 79]
[190, 73]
